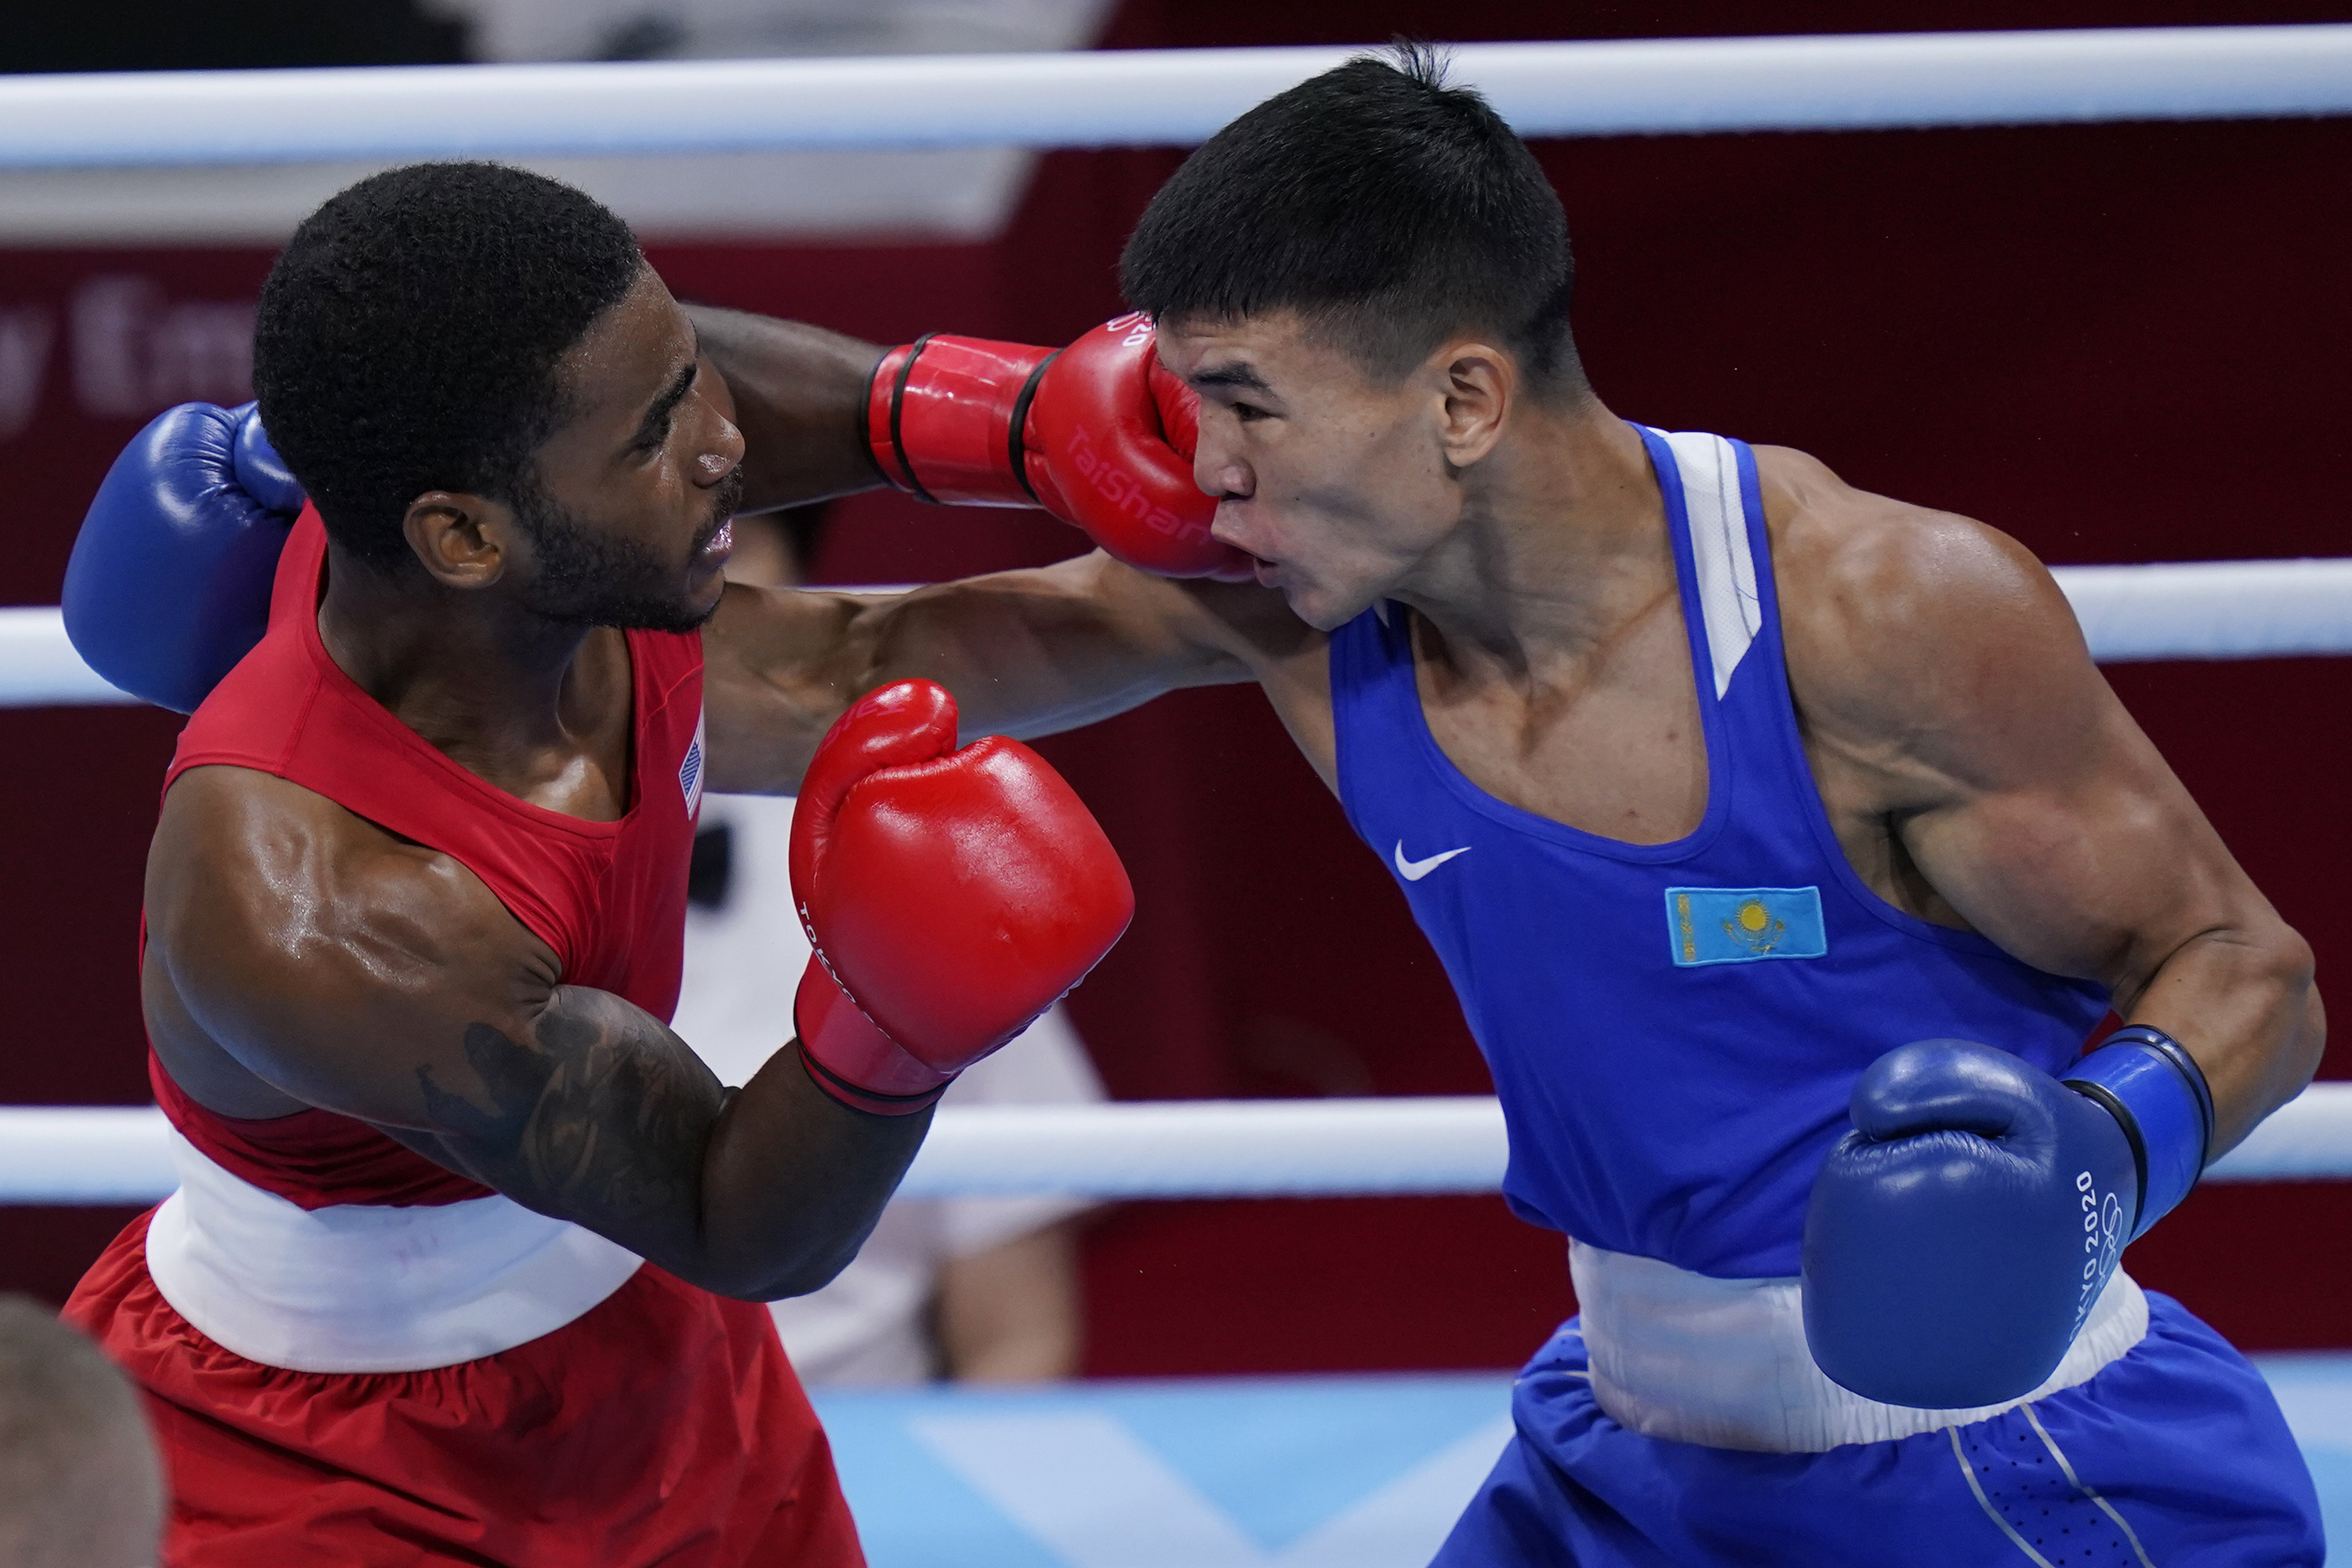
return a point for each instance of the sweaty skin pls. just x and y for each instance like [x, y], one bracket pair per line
[1978, 770]
[298, 955]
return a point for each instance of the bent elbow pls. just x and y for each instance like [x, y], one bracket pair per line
[771, 1279]
[784, 1286]
[2292, 959]
[805, 1284]
[2299, 1033]
[2312, 1035]
[2297, 970]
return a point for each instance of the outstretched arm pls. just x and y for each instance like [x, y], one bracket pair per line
[345, 969]
[1026, 653]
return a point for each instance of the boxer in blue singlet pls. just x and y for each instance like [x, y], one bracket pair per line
[1856, 978]
[1789, 855]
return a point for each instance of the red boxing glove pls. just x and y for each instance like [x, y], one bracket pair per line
[1100, 434]
[951, 896]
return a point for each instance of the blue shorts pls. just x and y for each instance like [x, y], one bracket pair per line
[2177, 1455]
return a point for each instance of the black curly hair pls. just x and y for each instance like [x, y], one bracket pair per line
[409, 333]
[1385, 207]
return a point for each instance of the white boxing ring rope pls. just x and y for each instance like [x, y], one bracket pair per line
[1227, 1149]
[1170, 97]
[2195, 609]
[1192, 1148]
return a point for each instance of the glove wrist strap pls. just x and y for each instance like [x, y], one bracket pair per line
[858, 1098]
[943, 416]
[2149, 1084]
[849, 1056]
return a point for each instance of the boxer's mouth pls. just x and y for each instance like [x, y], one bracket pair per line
[715, 550]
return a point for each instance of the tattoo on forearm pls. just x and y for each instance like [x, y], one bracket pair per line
[600, 1113]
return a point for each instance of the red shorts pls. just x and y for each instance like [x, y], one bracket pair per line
[662, 1425]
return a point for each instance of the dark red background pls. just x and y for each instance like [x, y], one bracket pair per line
[2119, 343]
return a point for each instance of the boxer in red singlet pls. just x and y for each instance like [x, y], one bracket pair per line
[465, 1261]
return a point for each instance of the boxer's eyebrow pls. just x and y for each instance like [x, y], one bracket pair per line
[1240, 375]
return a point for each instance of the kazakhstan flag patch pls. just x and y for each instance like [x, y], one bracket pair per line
[1740, 925]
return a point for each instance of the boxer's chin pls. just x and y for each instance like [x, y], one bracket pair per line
[1327, 606]
[686, 607]
[587, 577]
[632, 594]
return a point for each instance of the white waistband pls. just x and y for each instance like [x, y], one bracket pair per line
[1724, 1361]
[365, 1288]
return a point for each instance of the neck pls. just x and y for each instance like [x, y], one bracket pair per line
[474, 674]
[1562, 544]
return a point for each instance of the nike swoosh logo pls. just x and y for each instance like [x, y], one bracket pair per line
[1414, 870]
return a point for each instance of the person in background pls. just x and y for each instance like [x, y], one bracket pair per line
[976, 1289]
[80, 1484]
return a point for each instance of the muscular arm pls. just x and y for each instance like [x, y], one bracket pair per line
[300, 954]
[1942, 676]
[1026, 653]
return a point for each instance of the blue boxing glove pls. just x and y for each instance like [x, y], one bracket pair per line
[1959, 1236]
[169, 583]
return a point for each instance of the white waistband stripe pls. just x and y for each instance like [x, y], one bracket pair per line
[1724, 1361]
[359, 1287]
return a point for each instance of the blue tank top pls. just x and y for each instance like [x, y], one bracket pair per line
[1675, 1028]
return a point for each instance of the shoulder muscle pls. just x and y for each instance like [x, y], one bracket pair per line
[321, 954]
[1923, 641]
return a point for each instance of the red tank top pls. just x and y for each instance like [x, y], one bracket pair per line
[608, 897]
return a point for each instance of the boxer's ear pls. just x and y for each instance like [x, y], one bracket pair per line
[1480, 387]
[462, 540]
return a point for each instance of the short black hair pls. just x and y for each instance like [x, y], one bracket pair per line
[408, 335]
[1387, 208]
